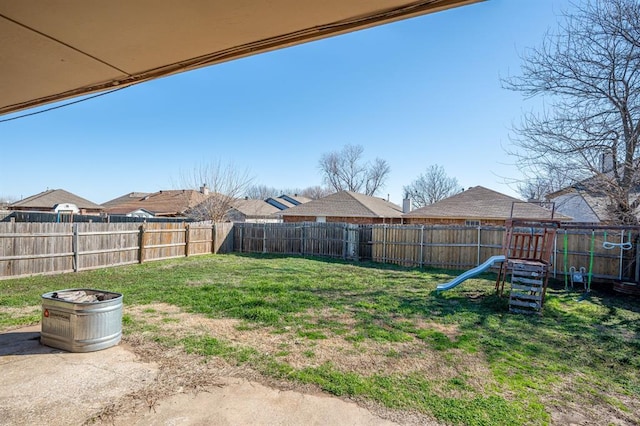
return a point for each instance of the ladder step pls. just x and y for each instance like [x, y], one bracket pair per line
[523, 311]
[526, 281]
[524, 304]
[522, 296]
[534, 288]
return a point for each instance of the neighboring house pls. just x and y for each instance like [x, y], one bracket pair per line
[127, 198]
[585, 206]
[582, 206]
[587, 201]
[256, 211]
[478, 206]
[171, 203]
[345, 206]
[284, 201]
[57, 201]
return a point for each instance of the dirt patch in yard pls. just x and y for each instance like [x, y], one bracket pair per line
[19, 312]
[180, 372]
[366, 357]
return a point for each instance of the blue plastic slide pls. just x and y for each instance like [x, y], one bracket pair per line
[471, 273]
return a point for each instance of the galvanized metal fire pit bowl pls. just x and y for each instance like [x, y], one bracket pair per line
[81, 320]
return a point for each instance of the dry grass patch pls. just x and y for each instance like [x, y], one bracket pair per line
[367, 357]
[19, 312]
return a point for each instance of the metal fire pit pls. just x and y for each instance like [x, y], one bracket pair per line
[81, 320]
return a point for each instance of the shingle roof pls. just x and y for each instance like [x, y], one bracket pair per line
[162, 203]
[285, 201]
[49, 198]
[346, 204]
[132, 196]
[254, 208]
[279, 203]
[297, 198]
[482, 203]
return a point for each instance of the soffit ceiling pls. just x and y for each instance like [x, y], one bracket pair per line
[52, 50]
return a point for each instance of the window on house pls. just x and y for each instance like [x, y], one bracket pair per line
[472, 223]
[321, 219]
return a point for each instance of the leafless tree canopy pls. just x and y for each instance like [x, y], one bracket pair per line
[346, 170]
[6, 200]
[588, 74]
[225, 183]
[431, 186]
[316, 192]
[547, 181]
[262, 192]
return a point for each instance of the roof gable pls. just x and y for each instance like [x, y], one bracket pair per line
[481, 203]
[162, 203]
[346, 204]
[51, 197]
[254, 208]
[132, 196]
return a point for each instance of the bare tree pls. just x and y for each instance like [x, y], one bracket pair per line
[431, 186]
[224, 183]
[5, 200]
[345, 170]
[262, 192]
[588, 74]
[316, 192]
[544, 182]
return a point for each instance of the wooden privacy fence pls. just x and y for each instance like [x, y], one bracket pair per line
[50, 248]
[339, 240]
[606, 253]
[451, 247]
[442, 246]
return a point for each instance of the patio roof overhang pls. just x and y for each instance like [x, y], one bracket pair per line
[55, 50]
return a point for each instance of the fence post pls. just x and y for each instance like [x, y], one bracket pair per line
[213, 238]
[141, 245]
[264, 238]
[421, 246]
[555, 255]
[187, 237]
[384, 243]
[479, 243]
[344, 241]
[302, 239]
[76, 249]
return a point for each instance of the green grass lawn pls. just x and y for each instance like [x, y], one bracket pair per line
[381, 333]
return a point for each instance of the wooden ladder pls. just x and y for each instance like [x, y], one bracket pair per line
[528, 284]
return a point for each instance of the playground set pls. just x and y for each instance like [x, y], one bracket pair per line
[527, 249]
[527, 258]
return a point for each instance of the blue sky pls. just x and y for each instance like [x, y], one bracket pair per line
[417, 92]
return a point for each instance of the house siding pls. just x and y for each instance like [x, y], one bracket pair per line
[445, 221]
[344, 219]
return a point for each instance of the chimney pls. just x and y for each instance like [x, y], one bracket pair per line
[204, 189]
[406, 205]
[606, 162]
